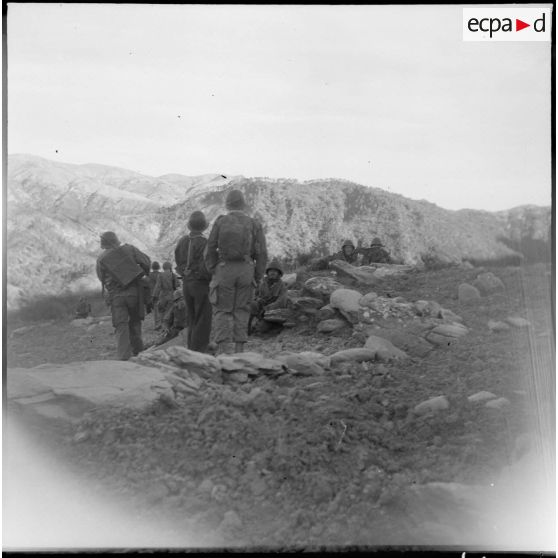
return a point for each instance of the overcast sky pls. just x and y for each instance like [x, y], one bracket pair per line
[386, 96]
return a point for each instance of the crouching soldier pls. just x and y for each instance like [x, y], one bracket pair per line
[83, 308]
[120, 269]
[377, 253]
[270, 295]
[174, 320]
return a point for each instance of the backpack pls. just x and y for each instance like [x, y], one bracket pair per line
[195, 261]
[121, 267]
[235, 236]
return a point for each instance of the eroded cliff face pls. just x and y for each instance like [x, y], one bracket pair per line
[56, 212]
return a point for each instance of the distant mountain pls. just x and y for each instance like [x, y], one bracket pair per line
[56, 212]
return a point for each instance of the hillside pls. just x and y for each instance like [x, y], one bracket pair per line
[56, 212]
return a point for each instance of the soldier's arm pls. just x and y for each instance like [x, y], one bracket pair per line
[99, 270]
[211, 256]
[260, 254]
[142, 260]
[280, 300]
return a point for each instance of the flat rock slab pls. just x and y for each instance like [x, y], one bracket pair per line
[364, 274]
[451, 330]
[306, 304]
[250, 363]
[279, 315]
[207, 366]
[384, 349]
[353, 355]
[67, 391]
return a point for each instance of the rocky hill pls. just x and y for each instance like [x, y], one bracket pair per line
[56, 211]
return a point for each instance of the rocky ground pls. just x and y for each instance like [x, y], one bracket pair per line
[345, 456]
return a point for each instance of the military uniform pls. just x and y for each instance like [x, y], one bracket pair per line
[270, 295]
[234, 277]
[375, 254]
[189, 257]
[164, 289]
[153, 275]
[126, 303]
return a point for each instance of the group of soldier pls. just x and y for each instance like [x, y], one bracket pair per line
[225, 282]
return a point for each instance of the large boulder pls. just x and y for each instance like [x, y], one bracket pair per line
[488, 283]
[384, 349]
[63, 393]
[446, 334]
[347, 302]
[321, 287]
[326, 313]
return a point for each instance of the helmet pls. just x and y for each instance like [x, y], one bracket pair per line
[348, 243]
[235, 200]
[197, 222]
[167, 266]
[109, 239]
[376, 242]
[155, 266]
[275, 265]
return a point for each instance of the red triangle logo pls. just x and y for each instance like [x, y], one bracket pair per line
[519, 25]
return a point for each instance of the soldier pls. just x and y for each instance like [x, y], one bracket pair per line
[236, 257]
[347, 254]
[120, 269]
[153, 275]
[375, 254]
[164, 289]
[174, 320]
[271, 294]
[190, 262]
[83, 308]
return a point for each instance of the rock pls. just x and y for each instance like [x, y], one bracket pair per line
[279, 315]
[408, 342]
[307, 304]
[82, 321]
[63, 393]
[352, 355]
[347, 302]
[481, 396]
[231, 521]
[467, 293]
[516, 321]
[236, 377]
[488, 283]
[440, 340]
[434, 404]
[207, 366]
[498, 326]
[451, 330]
[326, 313]
[327, 326]
[499, 403]
[368, 299]
[305, 364]
[321, 287]
[364, 274]
[449, 316]
[466, 265]
[289, 279]
[250, 363]
[427, 308]
[391, 270]
[206, 486]
[384, 349]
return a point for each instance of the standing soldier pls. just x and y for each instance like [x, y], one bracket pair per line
[189, 257]
[236, 257]
[164, 289]
[120, 269]
[155, 272]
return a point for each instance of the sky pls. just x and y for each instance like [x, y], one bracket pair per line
[385, 96]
